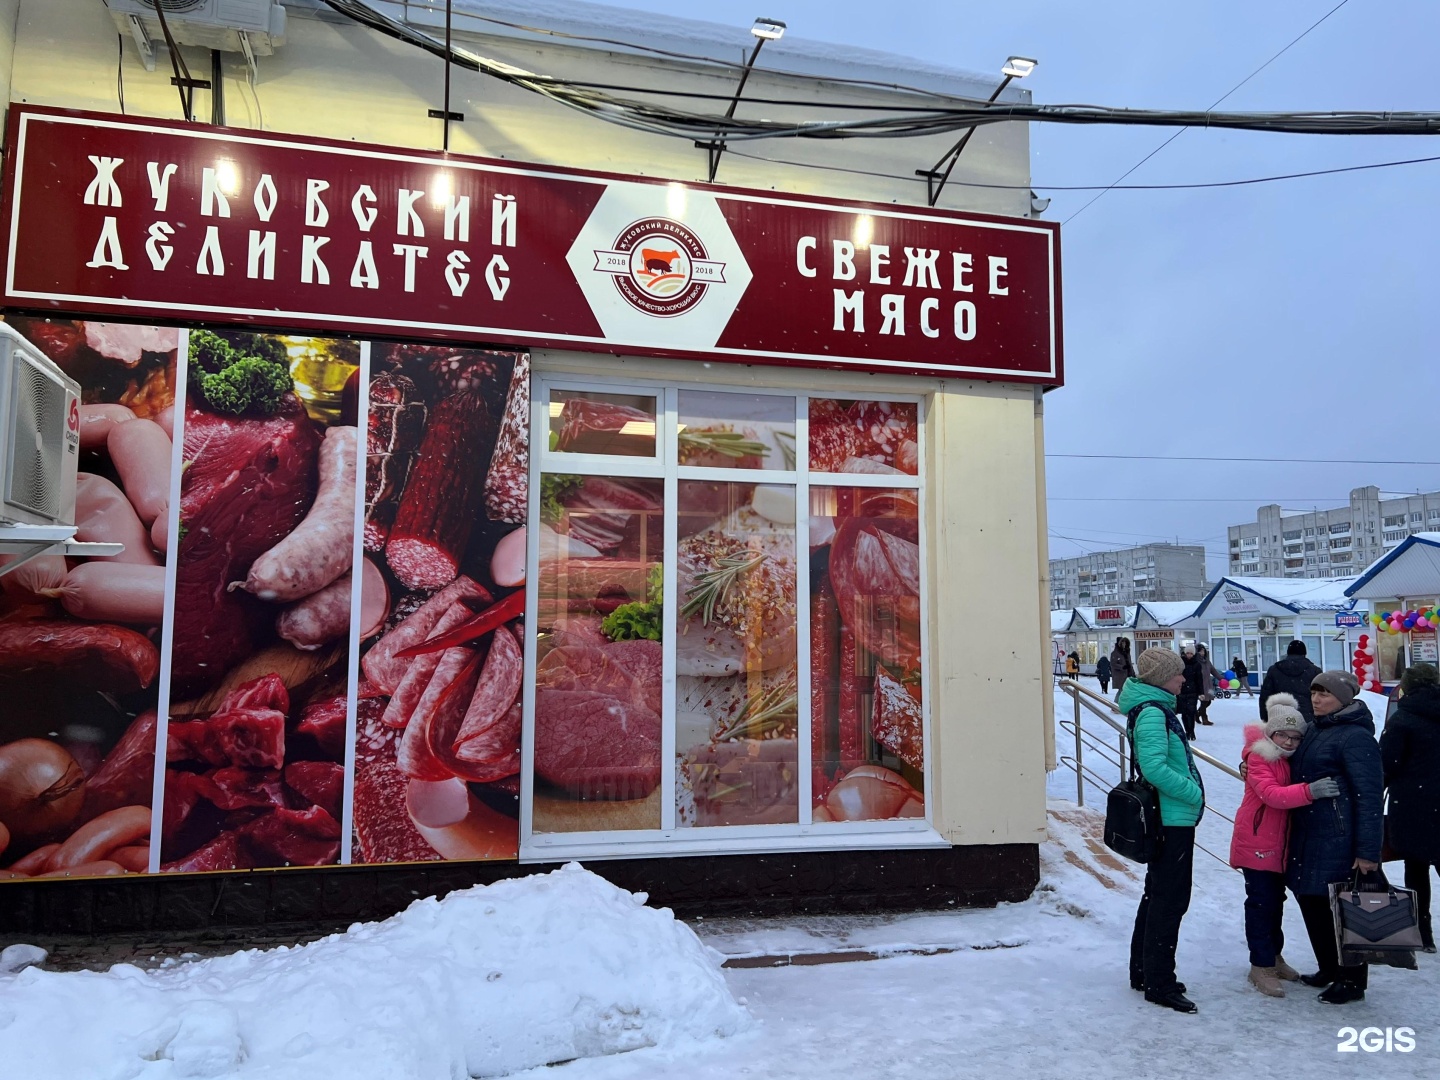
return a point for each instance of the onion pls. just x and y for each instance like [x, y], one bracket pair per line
[42, 790]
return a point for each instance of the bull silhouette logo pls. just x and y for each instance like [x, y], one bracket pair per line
[660, 267]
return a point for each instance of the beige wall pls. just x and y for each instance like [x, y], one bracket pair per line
[9, 16]
[988, 665]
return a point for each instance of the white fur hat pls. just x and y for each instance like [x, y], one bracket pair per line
[1283, 714]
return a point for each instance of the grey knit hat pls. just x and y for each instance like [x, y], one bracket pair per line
[1282, 713]
[1341, 684]
[1158, 665]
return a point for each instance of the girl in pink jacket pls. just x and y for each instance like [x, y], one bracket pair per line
[1257, 847]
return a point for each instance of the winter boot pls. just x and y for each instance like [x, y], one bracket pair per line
[1284, 972]
[1342, 993]
[1266, 981]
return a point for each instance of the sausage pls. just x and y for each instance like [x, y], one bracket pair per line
[115, 592]
[318, 619]
[95, 656]
[160, 532]
[319, 549]
[38, 861]
[103, 514]
[140, 451]
[415, 676]
[166, 419]
[97, 421]
[35, 579]
[98, 837]
[135, 858]
[100, 868]
[380, 664]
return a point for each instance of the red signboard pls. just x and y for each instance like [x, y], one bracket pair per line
[1110, 615]
[157, 220]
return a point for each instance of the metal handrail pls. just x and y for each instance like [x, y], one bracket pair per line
[1092, 702]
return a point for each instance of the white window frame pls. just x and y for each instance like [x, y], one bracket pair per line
[671, 839]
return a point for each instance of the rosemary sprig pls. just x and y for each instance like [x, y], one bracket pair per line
[712, 587]
[771, 709]
[786, 439]
[731, 444]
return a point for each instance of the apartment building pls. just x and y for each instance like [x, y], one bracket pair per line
[1128, 576]
[1329, 543]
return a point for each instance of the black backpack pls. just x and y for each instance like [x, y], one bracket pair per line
[1132, 810]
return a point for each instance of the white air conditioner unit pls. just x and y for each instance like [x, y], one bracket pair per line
[252, 27]
[1269, 624]
[39, 436]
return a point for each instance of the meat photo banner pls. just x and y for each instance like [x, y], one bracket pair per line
[183, 222]
[309, 650]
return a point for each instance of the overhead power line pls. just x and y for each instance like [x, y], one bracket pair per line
[1276, 460]
[1037, 186]
[1295, 41]
[929, 118]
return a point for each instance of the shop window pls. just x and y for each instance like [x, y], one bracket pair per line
[727, 632]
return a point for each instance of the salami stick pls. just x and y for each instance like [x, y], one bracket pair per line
[850, 720]
[824, 676]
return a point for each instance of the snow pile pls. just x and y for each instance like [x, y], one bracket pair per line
[485, 982]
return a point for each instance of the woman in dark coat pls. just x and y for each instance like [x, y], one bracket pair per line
[1331, 838]
[1102, 672]
[1410, 747]
[1122, 667]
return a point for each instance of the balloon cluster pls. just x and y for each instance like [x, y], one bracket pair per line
[1363, 664]
[1402, 622]
[1229, 681]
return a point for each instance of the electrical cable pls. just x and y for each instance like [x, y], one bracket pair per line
[177, 64]
[1276, 460]
[691, 125]
[120, 74]
[1099, 187]
[255, 93]
[1218, 100]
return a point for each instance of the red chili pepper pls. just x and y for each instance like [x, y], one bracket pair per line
[496, 615]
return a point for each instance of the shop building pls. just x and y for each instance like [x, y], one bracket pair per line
[1329, 543]
[483, 508]
[1257, 618]
[1092, 632]
[1405, 580]
[1159, 572]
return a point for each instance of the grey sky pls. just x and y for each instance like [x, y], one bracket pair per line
[1294, 319]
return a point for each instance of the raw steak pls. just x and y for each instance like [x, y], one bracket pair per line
[248, 483]
[597, 719]
[320, 783]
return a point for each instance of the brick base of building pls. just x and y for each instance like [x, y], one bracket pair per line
[782, 884]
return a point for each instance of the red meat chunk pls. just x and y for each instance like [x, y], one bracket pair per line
[293, 838]
[253, 737]
[222, 853]
[319, 783]
[324, 722]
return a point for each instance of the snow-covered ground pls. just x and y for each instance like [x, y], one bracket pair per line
[1059, 1005]
[1035, 990]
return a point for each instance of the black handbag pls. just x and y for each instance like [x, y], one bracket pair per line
[1375, 922]
[1132, 811]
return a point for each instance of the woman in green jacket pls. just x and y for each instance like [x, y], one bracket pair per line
[1162, 753]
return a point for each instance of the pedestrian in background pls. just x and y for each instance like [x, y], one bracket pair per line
[1072, 666]
[1121, 666]
[1292, 675]
[1410, 748]
[1190, 690]
[1209, 682]
[1331, 838]
[1162, 753]
[1243, 674]
[1258, 842]
[1102, 672]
